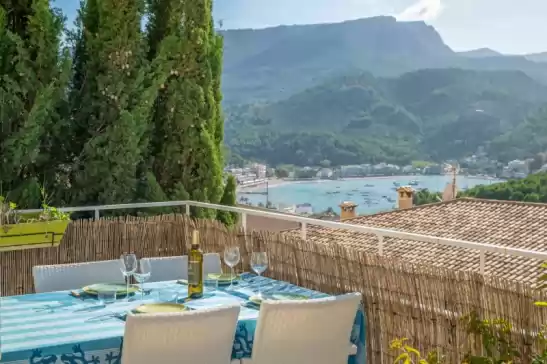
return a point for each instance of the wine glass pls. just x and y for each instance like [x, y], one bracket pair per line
[128, 266]
[231, 258]
[259, 263]
[142, 274]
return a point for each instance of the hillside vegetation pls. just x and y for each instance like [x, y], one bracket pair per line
[531, 189]
[428, 114]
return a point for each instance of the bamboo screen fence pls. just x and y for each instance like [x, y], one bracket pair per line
[421, 303]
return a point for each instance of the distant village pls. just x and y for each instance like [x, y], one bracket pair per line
[477, 165]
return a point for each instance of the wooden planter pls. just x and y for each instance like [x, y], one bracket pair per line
[32, 235]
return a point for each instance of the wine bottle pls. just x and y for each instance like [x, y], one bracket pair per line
[195, 268]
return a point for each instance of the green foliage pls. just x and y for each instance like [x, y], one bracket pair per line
[355, 119]
[136, 116]
[229, 198]
[187, 138]
[530, 189]
[409, 355]
[34, 68]
[423, 197]
[281, 172]
[495, 336]
[525, 140]
[421, 164]
[118, 103]
[9, 214]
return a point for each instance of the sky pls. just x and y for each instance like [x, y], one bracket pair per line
[507, 26]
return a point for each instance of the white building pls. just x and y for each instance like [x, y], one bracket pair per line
[259, 170]
[324, 173]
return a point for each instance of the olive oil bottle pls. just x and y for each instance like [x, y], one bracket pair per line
[195, 268]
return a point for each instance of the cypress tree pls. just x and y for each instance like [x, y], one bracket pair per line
[228, 199]
[34, 72]
[113, 93]
[187, 137]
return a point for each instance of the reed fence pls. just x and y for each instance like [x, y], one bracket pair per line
[422, 303]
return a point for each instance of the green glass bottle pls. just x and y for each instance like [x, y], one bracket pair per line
[195, 268]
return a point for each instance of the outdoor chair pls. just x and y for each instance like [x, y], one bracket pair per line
[192, 337]
[60, 277]
[172, 268]
[313, 331]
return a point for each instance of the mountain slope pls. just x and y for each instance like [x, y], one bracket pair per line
[274, 63]
[537, 57]
[480, 53]
[430, 114]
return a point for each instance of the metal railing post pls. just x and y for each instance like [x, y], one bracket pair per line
[97, 214]
[244, 222]
[303, 230]
[187, 209]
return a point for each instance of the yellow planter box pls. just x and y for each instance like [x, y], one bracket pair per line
[32, 234]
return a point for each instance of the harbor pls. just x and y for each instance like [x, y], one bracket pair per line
[371, 194]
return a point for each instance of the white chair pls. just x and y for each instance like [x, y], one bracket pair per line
[172, 268]
[60, 277]
[314, 331]
[192, 337]
[168, 268]
[211, 263]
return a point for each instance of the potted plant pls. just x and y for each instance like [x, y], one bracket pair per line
[20, 231]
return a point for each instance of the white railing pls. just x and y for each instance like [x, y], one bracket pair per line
[304, 221]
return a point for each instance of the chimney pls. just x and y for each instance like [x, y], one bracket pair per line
[347, 210]
[405, 195]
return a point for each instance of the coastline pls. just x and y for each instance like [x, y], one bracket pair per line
[276, 182]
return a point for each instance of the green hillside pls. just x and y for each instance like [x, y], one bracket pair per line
[429, 114]
[531, 189]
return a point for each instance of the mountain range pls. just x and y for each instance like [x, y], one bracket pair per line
[370, 90]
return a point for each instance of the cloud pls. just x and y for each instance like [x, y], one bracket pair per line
[421, 10]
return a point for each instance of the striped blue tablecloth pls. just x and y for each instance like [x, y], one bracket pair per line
[51, 328]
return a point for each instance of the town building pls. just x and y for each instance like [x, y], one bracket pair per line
[325, 173]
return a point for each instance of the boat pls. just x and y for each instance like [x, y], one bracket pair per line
[413, 183]
[367, 185]
[396, 184]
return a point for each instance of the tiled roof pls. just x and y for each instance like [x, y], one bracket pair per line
[506, 223]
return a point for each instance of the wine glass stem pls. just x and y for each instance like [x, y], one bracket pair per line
[127, 287]
[259, 286]
[142, 291]
[232, 278]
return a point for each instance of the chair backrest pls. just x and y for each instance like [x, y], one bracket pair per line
[314, 331]
[59, 277]
[211, 263]
[168, 268]
[172, 268]
[196, 337]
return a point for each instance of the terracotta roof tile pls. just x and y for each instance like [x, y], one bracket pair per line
[505, 223]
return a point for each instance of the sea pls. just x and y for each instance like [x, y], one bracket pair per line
[372, 194]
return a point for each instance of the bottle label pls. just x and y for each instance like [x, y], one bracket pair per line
[194, 273]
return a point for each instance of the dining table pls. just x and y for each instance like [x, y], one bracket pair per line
[68, 328]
